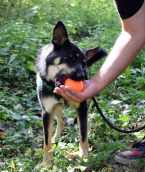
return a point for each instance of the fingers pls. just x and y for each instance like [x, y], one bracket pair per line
[69, 93]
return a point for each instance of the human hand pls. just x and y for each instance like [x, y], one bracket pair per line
[88, 91]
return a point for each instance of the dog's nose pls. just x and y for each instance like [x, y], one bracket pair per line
[80, 77]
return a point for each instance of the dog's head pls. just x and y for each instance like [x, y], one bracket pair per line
[65, 60]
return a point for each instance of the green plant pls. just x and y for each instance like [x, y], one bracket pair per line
[26, 26]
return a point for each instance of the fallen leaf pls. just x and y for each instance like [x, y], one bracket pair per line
[110, 170]
[2, 164]
[72, 155]
[70, 121]
[2, 135]
[138, 87]
[4, 127]
[115, 102]
[115, 166]
[13, 124]
[112, 94]
[87, 170]
[140, 118]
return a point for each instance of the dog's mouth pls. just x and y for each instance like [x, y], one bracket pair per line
[64, 75]
[64, 78]
[61, 80]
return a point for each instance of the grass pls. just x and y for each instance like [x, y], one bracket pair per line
[26, 27]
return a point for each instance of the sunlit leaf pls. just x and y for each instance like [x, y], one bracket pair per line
[12, 57]
[31, 66]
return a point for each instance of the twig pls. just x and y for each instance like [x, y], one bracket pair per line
[7, 10]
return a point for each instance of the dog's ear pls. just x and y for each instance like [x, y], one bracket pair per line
[59, 35]
[94, 54]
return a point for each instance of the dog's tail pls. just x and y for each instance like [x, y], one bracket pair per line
[94, 54]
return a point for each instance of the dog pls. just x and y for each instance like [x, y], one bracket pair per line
[55, 62]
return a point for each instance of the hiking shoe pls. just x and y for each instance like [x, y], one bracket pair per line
[131, 156]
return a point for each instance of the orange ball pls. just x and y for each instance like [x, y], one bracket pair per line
[76, 85]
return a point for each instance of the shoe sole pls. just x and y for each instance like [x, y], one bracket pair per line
[126, 161]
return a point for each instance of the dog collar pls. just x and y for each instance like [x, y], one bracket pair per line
[42, 84]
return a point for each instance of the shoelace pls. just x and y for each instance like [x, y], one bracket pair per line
[139, 144]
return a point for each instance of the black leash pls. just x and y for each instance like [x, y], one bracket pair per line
[112, 126]
[50, 88]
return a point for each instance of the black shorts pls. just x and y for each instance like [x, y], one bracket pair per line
[127, 8]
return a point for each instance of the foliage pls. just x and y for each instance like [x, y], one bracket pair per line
[26, 26]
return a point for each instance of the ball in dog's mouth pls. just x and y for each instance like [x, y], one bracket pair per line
[76, 85]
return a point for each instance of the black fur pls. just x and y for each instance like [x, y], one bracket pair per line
[46, 120]
[83, 115]
[98, 52]
[56, 62]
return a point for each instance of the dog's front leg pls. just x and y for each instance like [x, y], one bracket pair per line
[83, 124]
[47, 127]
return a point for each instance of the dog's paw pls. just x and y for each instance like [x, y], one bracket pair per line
[48, 158]
[83, 152]
[47, 163]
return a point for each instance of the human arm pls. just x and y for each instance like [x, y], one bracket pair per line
[127, 47]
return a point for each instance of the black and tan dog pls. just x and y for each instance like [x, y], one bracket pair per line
[56, 62]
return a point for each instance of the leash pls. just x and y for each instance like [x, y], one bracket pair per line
[112, 126]
[51, 88]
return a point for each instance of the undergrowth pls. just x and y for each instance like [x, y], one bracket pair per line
[26, 26]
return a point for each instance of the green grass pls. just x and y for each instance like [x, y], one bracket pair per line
[26, 27]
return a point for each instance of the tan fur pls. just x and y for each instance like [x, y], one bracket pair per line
[52, 106]
[60, 123]
[48, 148]
[72, 104]
[83, 147]
[49, 103]
[57, 61]
[77, 55]
[52, 70]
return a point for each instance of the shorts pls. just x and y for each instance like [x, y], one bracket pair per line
[127, 8]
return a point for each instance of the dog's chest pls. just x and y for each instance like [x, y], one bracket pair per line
[50, 103]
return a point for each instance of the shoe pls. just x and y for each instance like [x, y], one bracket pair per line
[131, 156]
